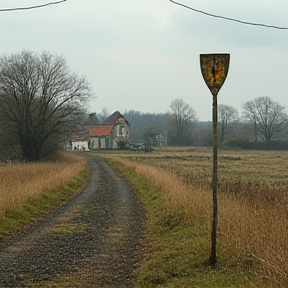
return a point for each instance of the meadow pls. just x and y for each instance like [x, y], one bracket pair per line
[30, 189]
[252, 243]
[175, 187]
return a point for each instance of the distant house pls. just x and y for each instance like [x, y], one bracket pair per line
[112, 134]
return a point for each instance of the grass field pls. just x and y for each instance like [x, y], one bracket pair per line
[175, 187]
[252, 233]
[29, 189]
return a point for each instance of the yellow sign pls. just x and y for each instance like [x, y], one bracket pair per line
[214, 68]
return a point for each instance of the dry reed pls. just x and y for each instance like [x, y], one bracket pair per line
[20, 181]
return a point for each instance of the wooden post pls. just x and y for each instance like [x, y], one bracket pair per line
[214, 68]
[213, 257]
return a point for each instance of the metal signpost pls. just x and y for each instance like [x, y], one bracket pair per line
[214, 69]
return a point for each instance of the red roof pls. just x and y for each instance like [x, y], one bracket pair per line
[102, 130]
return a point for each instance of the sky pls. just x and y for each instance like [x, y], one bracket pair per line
[143, 54]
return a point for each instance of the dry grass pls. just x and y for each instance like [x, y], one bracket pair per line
[253, 203]
[22, 181]
[255, 233]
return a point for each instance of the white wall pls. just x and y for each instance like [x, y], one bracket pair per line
[80, 145]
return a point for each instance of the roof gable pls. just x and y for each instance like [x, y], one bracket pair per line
[115, 117]
[102, 130]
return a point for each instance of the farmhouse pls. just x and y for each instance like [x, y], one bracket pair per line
[113, 133]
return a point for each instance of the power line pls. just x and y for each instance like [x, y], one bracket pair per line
[227, 18]
[31, 7]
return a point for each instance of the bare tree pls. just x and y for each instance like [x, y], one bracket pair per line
[41, 101]
[104, 114]
[226, 115]
[181, 119]
[266, 115]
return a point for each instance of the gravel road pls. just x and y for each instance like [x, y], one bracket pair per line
[93, 240]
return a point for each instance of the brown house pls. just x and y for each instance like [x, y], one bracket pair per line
[112, 134]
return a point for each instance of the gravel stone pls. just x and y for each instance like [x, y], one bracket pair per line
[95, 239]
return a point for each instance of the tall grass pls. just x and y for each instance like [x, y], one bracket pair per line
[253, 231]
[253, 204]
[23, 181]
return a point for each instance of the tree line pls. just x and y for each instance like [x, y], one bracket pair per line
[263, 124]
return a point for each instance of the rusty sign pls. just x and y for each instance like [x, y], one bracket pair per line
[214, 69]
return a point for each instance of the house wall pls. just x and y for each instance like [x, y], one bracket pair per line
[95, 143]
[120, 133]
[101, 143]
[115, 144]
[80, 145]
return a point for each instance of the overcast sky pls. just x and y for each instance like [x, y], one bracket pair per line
[142, 54]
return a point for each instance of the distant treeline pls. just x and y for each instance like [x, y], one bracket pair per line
[234, 135]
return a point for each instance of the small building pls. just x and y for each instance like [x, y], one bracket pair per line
[114, 133]
[78, 140]
[80, 146]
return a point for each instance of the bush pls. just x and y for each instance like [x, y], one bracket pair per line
[246, 144]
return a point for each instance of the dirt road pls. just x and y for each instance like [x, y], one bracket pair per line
[93, 240]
